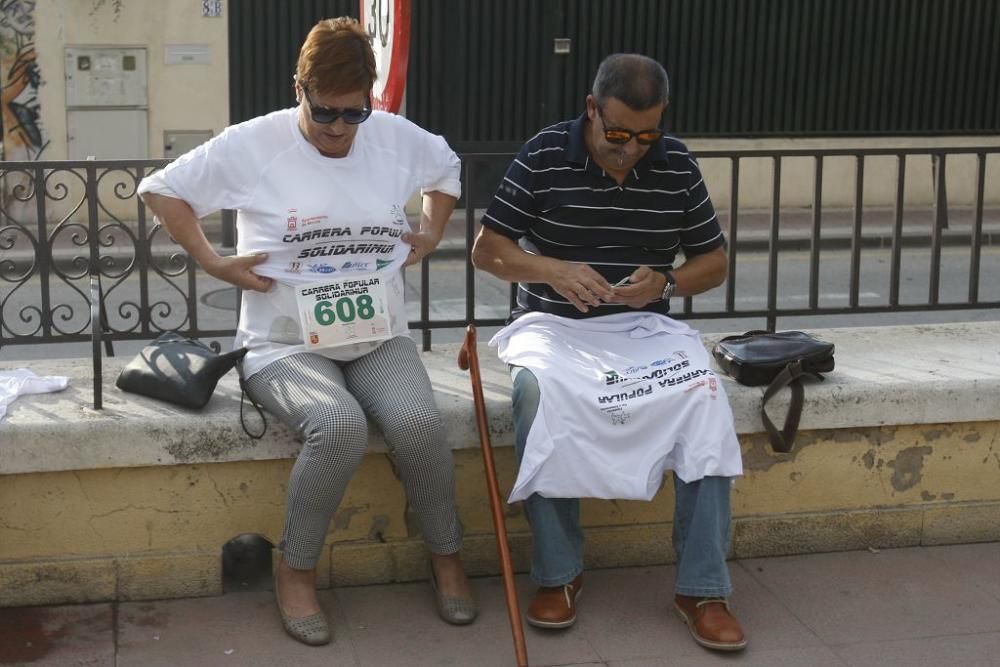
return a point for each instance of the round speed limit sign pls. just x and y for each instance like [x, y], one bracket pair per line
[388, 25]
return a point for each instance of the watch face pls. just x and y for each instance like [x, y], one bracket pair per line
[668, 289]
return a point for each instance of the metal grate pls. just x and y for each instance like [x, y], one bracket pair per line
[485, 74]
[264, 41]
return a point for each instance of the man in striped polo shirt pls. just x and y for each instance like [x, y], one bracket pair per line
[588, 221]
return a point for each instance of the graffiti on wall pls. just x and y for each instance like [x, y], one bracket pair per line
[20, 123]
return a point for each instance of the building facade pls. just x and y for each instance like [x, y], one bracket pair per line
[133, 78]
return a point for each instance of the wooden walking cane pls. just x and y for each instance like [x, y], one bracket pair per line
[468, 359]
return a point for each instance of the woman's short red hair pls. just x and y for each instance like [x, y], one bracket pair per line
[336, 58]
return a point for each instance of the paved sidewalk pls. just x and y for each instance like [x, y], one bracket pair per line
[916, 606]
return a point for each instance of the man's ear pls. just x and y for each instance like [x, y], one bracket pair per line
[591, 107]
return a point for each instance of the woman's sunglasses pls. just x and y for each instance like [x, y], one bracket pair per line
[326, 115]
[619, 135]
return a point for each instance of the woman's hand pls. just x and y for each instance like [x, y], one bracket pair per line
[421, 245]
[238, 270]
[182, 224]
[435, 210]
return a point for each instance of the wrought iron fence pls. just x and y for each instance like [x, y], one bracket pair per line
[76, 244]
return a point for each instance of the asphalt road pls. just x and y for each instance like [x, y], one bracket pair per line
[216, 306]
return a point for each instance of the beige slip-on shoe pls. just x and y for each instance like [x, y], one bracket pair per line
[313, 630]
[454, 610]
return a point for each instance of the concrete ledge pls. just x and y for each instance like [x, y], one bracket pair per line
[158, 532]
[898, 447]
[184, 575]
[885, 376]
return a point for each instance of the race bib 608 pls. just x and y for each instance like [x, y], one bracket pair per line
[343, 311]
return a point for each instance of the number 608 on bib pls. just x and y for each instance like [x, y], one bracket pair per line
[343, 311]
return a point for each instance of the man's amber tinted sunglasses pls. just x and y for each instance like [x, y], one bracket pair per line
[619, 135]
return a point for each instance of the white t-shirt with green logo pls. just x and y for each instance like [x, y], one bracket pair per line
[317, 218]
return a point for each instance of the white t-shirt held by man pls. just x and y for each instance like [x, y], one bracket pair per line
[622, 398]
[317, 218]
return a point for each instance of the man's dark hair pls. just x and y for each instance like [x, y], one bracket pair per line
[638, 81]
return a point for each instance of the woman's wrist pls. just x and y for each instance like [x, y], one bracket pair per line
[435, 234]
[210, 261]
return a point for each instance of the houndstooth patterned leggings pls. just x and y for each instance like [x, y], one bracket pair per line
[326, 403]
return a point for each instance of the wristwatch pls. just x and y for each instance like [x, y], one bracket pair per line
[668, 289]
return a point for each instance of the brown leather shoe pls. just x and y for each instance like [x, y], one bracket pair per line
[711, 623]
[555, 606]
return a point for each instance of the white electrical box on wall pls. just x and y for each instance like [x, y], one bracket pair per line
[179, 142]
[106, 104]
[105, 77]
[107, 134]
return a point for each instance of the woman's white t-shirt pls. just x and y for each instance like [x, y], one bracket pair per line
[316, 217]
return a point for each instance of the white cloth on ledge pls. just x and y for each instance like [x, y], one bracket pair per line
[22, 381]
[623, 398]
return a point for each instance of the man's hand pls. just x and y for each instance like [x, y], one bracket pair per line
[645, 286]
[580, 285]
[238, 270]
[421, 245]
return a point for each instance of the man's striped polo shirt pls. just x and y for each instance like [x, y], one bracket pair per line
[557, 202]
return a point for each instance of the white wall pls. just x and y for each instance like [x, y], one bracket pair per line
[180, 97]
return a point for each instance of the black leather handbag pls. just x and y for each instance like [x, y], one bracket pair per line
[778, 360]
[178, 370]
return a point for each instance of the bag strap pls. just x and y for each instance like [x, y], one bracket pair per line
[245, 394]
[783, 440]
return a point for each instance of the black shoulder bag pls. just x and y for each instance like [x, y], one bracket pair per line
[778, 360]
[182, 371]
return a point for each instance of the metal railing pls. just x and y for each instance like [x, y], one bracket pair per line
[75, 239]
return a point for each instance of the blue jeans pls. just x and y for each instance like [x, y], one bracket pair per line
[701, 519]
